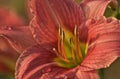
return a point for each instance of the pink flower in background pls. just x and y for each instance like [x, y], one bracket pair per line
[13, 29]
[8, 17]
[9, 20]
[8, 56]
[73, 41]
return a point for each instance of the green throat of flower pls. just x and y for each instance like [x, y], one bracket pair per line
[71, 51]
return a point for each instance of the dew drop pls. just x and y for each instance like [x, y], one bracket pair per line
[6, 28]
[9, 28]
[65, 77]
[107, 66]
[48, 70]
[34, 35]
[31, 10]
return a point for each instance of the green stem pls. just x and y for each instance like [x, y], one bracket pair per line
[101, 73]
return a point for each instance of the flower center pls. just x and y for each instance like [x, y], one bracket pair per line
[70, 50]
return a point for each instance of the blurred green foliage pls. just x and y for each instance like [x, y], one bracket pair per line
[78, 1]
[111, 11]
[6, 76]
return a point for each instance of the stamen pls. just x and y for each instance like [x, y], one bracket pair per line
[77, 43]
[73, 53]
[69, 48]
[61, 43]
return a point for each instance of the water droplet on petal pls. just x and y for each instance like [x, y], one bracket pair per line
[9, 28]
[48, 70]
[6, 28]
[34, 35]
[65, 77]
[107, 66]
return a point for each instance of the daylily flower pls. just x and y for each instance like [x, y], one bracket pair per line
[13, 17]
[74, 41]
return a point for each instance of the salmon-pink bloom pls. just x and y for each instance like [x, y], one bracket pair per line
[74, 40]
[7, 55]
[10, 27]
[13, 29]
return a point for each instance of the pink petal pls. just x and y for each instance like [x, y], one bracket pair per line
[94, 8]
[37, 63]
[43, 34]
[19, 37]
[50, 14]
[104, 43]
[87, 75]
[83, 32]
[8, 17]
